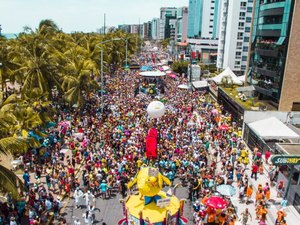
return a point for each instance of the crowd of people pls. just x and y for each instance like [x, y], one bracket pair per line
[106, 149]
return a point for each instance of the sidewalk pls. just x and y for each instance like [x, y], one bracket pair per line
[292, 214]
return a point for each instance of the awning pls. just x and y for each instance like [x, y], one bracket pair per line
[272, 128]
[280, 41]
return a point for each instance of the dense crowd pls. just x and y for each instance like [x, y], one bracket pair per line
[198, 144]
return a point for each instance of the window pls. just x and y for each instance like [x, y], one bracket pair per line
[240, 36]
[238, 54]
[242, 14]
[241, 24]
[243, 67]
[247, 29]
[248, 19]
[246, 39]
[243, 4]
[245, 49]
[244, 58]
[237, 63]
[249, 9]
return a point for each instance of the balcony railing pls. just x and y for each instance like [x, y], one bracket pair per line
[267, 52]
[268, 71]
[263, 90]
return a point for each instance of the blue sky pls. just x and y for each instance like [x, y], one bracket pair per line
[79, 15]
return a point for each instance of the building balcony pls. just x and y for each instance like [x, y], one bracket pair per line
[270, 26]
[267, 52]
[263, 90]
[272, 5]
[266, 71]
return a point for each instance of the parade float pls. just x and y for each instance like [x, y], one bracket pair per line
[151, 205]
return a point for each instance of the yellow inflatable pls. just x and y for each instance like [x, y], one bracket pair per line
[149, 181]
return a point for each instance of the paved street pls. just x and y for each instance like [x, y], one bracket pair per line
[110, 211]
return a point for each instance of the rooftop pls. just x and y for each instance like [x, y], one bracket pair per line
[290, 149]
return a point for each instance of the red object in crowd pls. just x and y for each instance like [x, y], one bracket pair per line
[267, 155]
[193, 55]
[151, 144]
[216, 202]
[223, 127]
[254, 168]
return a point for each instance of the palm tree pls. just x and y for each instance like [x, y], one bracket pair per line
[32, 59]
[77, 80]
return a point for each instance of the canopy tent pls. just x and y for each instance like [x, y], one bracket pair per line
[227, 72]
[242, 78]
[165, 68]
[200, 84]
[272, 128]
[153, 74]
[183, 86]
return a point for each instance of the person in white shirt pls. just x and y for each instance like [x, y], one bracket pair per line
[88, 220]
[78, 197]
[89, 198]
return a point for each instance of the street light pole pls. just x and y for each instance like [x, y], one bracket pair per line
[126, 59]
[101, 69]
[101, 77]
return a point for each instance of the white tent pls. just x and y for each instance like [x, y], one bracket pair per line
[153, 74]
[227, 72]
[272, 128]
[200, 84]
[242, 78]
[183, 86]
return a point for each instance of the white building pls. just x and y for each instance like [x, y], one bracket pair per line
[234, 34]
[155, 28]
[181, 24]
[165, 12]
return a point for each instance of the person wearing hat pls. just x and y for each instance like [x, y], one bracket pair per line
[89, 198]
[103, 188]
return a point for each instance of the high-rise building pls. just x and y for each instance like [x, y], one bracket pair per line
[274, 67]
[181, 24]
[234, 34]
[203, 18]
[155, 24]
[203, 28]
[147, 30]
[167, 22]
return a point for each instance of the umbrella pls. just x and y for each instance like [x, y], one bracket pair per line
[226, 190]
[172, 75]
[224, 127]
[216, 202]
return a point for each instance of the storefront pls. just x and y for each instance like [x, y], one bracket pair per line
[288, 163]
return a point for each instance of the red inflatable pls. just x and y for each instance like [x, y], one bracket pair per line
[151, 144]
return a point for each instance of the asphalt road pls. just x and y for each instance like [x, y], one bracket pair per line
[110, 210]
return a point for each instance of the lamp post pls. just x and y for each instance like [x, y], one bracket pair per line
[101, 69]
